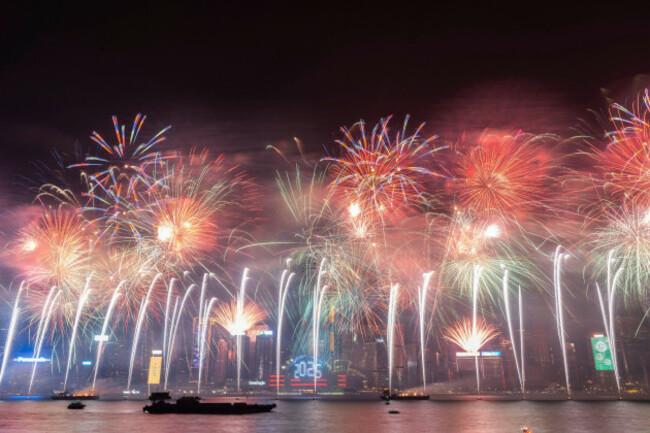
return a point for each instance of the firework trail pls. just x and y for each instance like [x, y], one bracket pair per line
[40, 335]
[107, 318]
[167, 320]
[390, 331]
[80, 306]
[174, 331]
[11, 332]
[422, 297]
[506, 302]
[138, 328]
[558, 258]
[285, 282]
[318, 295]
[608, 311]
[204, 318]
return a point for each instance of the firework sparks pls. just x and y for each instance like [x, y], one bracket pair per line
[625, 160]
[132, 269]
[55, 250]
[470, 339]
[196, 210]
[505, 175]
[226, 314]
[146, 218]
[625, 238]
[118, 175]
[380, 174]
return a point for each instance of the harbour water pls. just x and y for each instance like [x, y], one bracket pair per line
[21, 416]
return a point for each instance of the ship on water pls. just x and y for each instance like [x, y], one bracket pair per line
[386, 395]
[65, 395]
[193, 405]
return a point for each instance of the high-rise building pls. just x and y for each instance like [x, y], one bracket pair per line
[258, 354]
[221, 362]
[263, 356]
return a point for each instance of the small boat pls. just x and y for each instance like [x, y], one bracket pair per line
[193, 405]
[76, 405]
[65, 395]
[402, 396]
[393, 411]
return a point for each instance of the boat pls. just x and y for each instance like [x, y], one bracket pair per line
[76, 405]
[64, 395]
[193, 405]
[403, 396]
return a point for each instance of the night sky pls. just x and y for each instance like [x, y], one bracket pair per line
[236, 76]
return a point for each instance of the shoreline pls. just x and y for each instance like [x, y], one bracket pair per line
[440, 398]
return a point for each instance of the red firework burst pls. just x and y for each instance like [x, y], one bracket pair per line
[504, 174]
[625, 160]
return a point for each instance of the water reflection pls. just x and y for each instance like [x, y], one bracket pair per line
[337, 416]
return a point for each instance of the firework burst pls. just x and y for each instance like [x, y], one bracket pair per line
[198, 208]
[625, 235]
[625, 160]
[55, 250]
[505, 175]
[382, 175]
[472, 242]
[226, 314]
[117, 175]
[471, 338]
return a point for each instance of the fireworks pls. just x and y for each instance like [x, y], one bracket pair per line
[626, 235]
[505, 175]
[55, 250]
[357, 291]
[383, 175]
[625, 160]
[141, 213]
[471, 338]
[471, 243]
[132, 269]
[227, 316]
[195, 210]
[127, 248]
[471, 238]
[491, 245]
[185, 227]
[117, 175]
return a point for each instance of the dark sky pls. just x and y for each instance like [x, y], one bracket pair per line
[238, 75]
